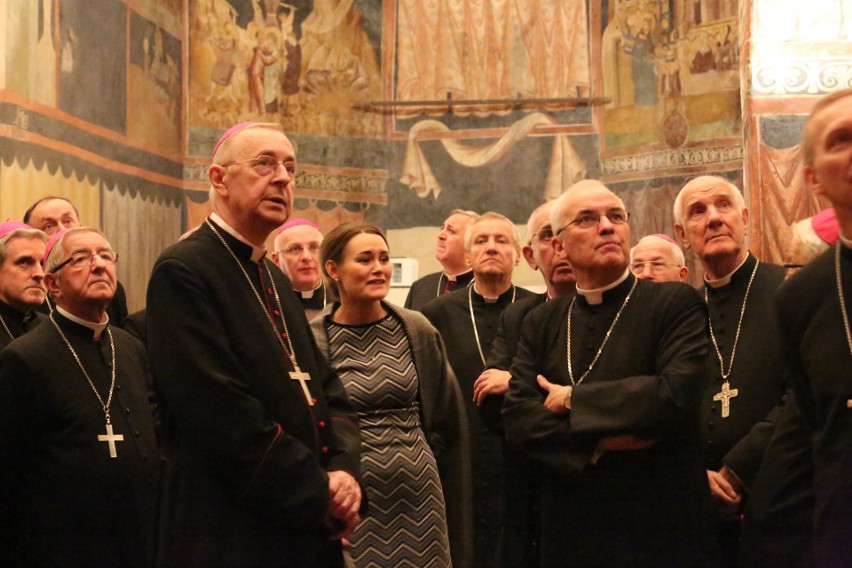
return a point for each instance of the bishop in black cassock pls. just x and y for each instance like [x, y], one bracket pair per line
[18, 322]
[434, 285]
[817, 346]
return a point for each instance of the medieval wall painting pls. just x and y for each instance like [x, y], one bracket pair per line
[154, 86]
[93, 65]
[302, 63]
[671, 70]
[30, 52]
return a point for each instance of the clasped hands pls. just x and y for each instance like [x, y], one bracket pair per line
[555, 402]
[344, 502]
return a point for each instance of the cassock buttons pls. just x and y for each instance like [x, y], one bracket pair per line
[276, 312]
[313, 401]
[269, 290]
[321, 423]
[325, 449]
[127, 411]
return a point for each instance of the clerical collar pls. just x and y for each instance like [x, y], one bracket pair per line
[509, 293]
[845, 242]
[459, 276]
[726, 279]
[97, 328]
[308, 294]
[596, 296]
[256, 253]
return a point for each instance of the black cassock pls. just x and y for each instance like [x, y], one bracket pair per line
[17, 322]
[247, 481]
[424, 290]
[816, 346]
[763, 440]
[63, 499]
[450, 314]
[645, 507]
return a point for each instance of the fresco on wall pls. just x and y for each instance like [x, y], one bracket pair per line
[154, 86]
[92, 68]
[31, 50]
[301, 63]
[671, 68]
[165, 12]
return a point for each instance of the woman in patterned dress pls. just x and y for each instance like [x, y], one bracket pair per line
[413, 444]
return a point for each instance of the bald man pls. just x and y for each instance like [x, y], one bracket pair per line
[659, 259]
[296, 253]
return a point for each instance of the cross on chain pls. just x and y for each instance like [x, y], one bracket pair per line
[110, 439]
[303, 379]
[724, 396]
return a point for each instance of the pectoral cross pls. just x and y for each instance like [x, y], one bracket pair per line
[303, 379]
[724, 396]
[110, 439]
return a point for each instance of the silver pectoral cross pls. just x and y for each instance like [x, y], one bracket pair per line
[303, 379]
[110, 439]
[724, 396]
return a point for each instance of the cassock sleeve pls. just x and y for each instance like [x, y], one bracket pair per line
[221, 421]
[17, 402]
[654, 405]
[800, 394]
[529, 426]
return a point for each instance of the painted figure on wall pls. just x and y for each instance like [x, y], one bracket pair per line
[302, 64]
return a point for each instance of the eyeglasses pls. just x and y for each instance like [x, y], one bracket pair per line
[543, 235]
[593, 218]
[84, 259]
[297, 250]
[265, 165]
[654, 265]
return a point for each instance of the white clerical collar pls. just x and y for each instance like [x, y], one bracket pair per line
[308, 294]
[844, 241]
[596, 296]
[256, 253]
[97, 328]
[726, 279]
[455, 277]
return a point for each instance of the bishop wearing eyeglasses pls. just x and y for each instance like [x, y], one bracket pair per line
[262, 442]
[296, 253]
[78, 440]
[604, 398]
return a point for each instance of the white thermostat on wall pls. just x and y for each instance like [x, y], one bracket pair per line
[404, 271]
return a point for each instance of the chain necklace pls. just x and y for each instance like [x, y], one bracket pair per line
[296, 374]
[603, 343]
[725, 395]
[109, 437]
[6, 327]
[473, 319]
[840, 295]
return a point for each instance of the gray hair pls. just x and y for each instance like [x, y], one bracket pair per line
[54, 259]
[492, 216]
[19, 233]
[701, 181]
[676, 251]
[557, 214]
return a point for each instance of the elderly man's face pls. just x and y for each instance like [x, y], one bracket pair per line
[654, 259]
[712, 223]
[492, 248]
[450, 246]
[261, 200]
[830, 174]
[21, 274]
[603, 246]
[53, 215]
[297, 255]
[552, 265]
[91, 283]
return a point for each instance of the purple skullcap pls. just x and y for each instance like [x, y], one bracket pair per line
[230, 132]
[664, 237]
[12, 226]
[825, 225]
[295, 223]
[52, 242]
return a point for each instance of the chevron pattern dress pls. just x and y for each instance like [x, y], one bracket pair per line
[406, 522]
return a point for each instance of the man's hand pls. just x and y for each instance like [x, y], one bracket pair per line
[556, 394]
[724, 493]
[344, 501]
[491, 381]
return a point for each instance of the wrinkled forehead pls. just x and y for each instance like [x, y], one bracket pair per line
[652, 247]
[53, 208]
[458, 221]
[541, 220]
[84, 240]
[593, 199]
[301, 234]
[706, 193]
[253, 142]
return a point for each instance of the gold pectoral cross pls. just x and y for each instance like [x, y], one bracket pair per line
[303, 379]
[110, 439]
[724, 396]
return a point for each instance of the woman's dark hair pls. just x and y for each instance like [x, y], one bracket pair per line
[334, 243]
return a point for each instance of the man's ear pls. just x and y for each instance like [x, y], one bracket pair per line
[681, 234]
[812, 179]
[51, 285]
[529, 257]
[216, 173]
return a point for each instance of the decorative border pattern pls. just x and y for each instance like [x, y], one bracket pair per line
[671, 159]
[779, 77]
[351, 188]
